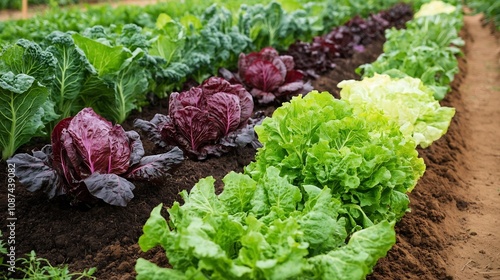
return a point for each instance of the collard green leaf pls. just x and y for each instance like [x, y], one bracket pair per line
[21, 111]
[104, 58]
[70, 71]
[26, 57]
[120, 83]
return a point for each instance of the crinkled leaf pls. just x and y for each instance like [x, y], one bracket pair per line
[72, 65]
[21, 111]
[35, 172]
[155, 166]
[111, 188]
[202, 199]
[104, 147]
[155, 231]
[356, 260]
[27, 57]
[238, 192]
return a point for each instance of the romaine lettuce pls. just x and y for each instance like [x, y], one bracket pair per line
[265, 229]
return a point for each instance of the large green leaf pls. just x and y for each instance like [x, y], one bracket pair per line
[22, 100]
[104, 58]
[70, 71]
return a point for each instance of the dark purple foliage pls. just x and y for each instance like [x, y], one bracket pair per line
[90, 159]
[200, 118]
[268, 76]
[319, 56]
[398, 15]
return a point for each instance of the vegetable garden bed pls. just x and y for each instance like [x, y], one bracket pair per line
[106, 237]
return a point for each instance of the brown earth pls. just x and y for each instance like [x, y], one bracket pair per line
[451, 233]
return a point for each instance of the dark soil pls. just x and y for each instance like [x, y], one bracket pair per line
[106, 237]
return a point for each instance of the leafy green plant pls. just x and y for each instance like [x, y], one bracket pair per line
[490, 9]
[3, 248]
[265, 229]
[407, 101]
[427, 50]
[121, 82]
[363, 158]
[33, 267]
[25, 70]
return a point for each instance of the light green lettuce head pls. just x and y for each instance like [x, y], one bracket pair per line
[406, 101]
[363, 158]
[434, 8]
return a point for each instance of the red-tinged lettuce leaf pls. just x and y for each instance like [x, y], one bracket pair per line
[263, 75]
[196, 126]
[155, 167]
[103, 147]
[36, 172]
[246, 103]
[294, 87]
[111, 188]
[262, 96]
[120, 154]
[268, 75]
[214, 85]
[225, 110]
[192, 97]
[57, 143]
[200, 117]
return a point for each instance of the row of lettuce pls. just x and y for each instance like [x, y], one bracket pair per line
[322, 197]
[89, 158]
[350, 161]
[115, 70]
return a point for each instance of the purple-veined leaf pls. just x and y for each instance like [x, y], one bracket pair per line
[153, 128]
[196, 126]
[264, 75]
[225, 110]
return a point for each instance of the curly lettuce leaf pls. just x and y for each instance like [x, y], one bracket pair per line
[363, 158]
[407, 101]
[356, 260]
[217, 237]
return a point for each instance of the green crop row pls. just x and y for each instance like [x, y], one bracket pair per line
[329, 171]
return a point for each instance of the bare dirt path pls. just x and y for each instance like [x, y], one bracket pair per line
[477, 255]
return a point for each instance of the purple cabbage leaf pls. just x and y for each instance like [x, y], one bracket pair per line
[89, 159]
[205, 120]
[268, 76]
